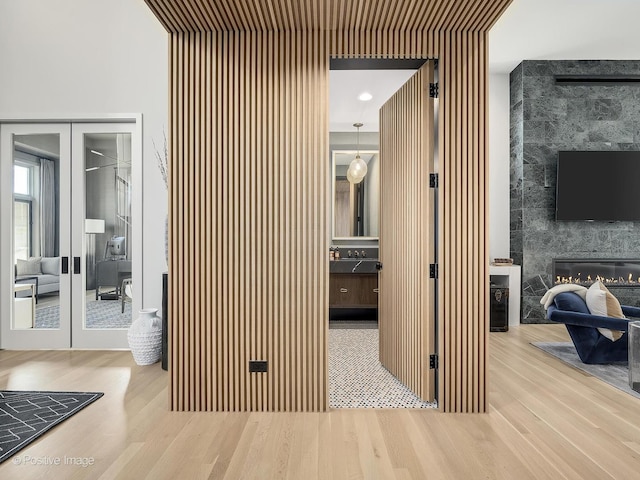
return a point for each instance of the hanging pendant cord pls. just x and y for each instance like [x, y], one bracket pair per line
[358, 125]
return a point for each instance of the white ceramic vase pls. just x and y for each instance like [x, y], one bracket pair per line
[145, 337]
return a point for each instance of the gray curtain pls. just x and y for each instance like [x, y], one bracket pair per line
[47, 208]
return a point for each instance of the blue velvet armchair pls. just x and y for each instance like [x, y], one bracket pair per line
[592, 347]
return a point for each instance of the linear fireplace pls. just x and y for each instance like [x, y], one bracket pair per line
[615, 272]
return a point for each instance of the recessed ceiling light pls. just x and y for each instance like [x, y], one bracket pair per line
[365, 97]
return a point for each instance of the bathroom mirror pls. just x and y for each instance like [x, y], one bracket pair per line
[355, 206]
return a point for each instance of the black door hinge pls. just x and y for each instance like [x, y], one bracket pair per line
[433, 361]
[433, 270]
[433, 180]
[434, 90]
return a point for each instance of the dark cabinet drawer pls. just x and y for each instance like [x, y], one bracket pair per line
[353, 290]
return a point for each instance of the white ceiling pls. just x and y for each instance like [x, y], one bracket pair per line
[346, 85]
[565, 30]
[46, 144]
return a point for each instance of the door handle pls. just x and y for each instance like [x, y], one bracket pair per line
[378, 266]
[65, 265]
[343, 290]
[76, 265]
[376, 290]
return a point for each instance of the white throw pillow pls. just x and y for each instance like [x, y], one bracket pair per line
[601, 301]
[50, 265]
[28, 267]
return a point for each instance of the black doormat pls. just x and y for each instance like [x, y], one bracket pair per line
[24, 416]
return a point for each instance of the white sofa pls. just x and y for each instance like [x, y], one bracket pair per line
[45, 269]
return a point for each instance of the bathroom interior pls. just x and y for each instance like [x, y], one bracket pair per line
[356, 377]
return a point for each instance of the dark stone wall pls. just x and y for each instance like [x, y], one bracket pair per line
[516, 152]
[547, 118]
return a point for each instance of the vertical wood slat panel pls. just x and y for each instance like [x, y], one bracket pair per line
[246, 251]
[463, 314]
[248, 219]
[406, 316]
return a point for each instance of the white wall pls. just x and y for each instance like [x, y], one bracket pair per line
[93, 57]
[499, 211]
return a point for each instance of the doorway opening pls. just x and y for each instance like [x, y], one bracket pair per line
[381, 310]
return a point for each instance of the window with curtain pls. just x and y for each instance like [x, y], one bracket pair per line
[47, 204]
[22, 230]
[22, 211]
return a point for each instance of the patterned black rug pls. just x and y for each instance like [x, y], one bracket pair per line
[24, 416]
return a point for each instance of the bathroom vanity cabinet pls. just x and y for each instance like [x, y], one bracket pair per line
[353, 296]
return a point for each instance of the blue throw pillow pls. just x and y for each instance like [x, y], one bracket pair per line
[571, 302]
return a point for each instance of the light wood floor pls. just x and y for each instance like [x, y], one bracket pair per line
[546, 421]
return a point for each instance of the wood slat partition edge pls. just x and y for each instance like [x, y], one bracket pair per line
[248, 224]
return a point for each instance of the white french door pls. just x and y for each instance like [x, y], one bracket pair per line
[22, 151]
[66, 239]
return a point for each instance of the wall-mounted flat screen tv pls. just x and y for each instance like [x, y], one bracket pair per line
[598, 186]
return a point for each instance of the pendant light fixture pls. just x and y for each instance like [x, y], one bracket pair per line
[357, 167]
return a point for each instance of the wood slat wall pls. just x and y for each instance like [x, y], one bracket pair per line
[463, 316]
[249, 226]
[407, 237]
[249, 192]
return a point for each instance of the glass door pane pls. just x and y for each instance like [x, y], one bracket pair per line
[35, 190]
[107, 228]
[104, 230]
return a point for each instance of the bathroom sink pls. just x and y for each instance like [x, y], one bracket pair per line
[353, 265]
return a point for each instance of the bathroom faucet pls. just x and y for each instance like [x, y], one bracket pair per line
[357, 254]
[364, 254]
[357, 265]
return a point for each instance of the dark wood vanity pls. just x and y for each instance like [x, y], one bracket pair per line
[353, 296]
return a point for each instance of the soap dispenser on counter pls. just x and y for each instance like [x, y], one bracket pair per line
[336, 254]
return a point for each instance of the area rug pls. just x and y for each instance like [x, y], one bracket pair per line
[24, 416]
[615, 374]
[100, 314]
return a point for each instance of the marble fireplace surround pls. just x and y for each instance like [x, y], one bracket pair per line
[547, 117]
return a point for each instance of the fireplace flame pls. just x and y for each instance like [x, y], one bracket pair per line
[620, 281]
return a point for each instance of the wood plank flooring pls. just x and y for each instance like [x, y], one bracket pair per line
[546, 421]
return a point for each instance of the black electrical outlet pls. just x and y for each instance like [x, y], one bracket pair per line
[259, 366]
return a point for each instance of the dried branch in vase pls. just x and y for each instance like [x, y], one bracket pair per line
[163, 159]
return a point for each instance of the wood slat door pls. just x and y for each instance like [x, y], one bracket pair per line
[407, 235]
